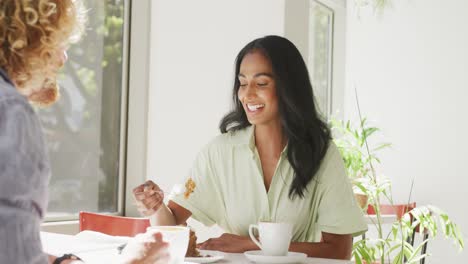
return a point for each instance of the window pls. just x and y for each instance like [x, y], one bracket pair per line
[326, 48]
[321, 54]
[85, 128]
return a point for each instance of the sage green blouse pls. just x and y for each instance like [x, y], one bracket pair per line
[230, 191]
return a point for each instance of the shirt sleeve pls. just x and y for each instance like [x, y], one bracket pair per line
[338, 212]
[23, 183]
[205, 203]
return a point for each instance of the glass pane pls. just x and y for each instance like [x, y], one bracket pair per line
[83, 128]
[320, 58]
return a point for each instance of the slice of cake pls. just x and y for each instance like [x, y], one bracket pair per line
[192, 250]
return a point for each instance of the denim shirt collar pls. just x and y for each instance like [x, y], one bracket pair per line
[5, 77]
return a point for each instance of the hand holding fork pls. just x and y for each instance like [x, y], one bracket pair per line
[149, 197]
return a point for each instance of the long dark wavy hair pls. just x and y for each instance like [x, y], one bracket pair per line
[307, 134]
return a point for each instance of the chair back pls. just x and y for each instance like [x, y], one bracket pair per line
[113, 225]
[397, 209]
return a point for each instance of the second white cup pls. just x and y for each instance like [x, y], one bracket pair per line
[274, 238]
[177, 237]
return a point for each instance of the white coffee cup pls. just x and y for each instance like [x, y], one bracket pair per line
[274, 237]
[178, 239]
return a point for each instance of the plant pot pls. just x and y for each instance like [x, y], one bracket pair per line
[361, 199]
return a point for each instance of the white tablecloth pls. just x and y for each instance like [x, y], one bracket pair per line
[95, 247]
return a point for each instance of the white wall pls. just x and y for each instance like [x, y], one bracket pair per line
[194, 44]
[410, 69]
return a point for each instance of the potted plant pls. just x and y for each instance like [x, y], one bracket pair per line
[358, 159]
[398, 245]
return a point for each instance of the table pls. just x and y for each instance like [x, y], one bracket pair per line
[95, 247]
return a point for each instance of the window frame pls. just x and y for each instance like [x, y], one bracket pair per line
[139, 81]
[296, 28]
[327, 112]
[134, 108]
[336, 90]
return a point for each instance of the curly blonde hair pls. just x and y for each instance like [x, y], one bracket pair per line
[32, 34]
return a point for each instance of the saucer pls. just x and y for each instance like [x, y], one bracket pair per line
[258, 257]
[214, 256]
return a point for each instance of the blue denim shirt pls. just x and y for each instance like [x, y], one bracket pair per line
[24, 176]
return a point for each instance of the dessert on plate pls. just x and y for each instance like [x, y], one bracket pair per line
[192, 250]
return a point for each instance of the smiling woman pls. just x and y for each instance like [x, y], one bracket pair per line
[275, 154]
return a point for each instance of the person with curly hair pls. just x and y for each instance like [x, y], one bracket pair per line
[34, 36]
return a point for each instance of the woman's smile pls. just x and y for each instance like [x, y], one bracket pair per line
[255, 108]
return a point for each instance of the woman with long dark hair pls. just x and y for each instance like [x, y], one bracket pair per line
[274, 161]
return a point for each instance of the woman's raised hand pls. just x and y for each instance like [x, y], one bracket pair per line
[149, 197]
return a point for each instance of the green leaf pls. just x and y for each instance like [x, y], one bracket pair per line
[369, 131]
[382, 146]
[417, 259]
[398, 258]
[417, 251]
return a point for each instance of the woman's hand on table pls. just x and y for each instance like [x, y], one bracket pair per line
[146, 249]
[149, 198]
[229, 243]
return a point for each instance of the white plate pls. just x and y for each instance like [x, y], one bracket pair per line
[258, 257]
[215, 256]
